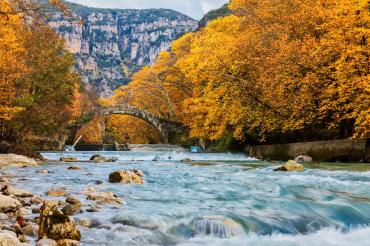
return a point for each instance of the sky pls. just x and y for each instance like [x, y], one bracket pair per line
[193, 8]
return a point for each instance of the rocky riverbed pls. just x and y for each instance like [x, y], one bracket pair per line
[152, 198]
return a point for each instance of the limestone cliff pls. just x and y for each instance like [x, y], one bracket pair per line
[111, 44]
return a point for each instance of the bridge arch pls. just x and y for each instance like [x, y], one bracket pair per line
[164, 127]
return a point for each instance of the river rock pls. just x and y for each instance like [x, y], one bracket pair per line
[98, 159]
[36, 200]
[89, 223]
[104, 197]
[71, 209]
[22, 239]
[8, 238]
[125, 177]
[139, 172]
[73, 200]
[68, 242]
[46, 242]
[8, 204]
[54, 224]
[3, 216]
[25, 201]
[303, 159]
[218, 226]
[56, 192]
[68, 159]
[42, 171]
[10, 190]
[12, 160]
[5, 180]
[31, 229]
[290, 166]
[74, 168]
[22, 212]
[187, 160]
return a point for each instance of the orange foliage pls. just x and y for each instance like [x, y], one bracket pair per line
[274, 67]
[127, 129]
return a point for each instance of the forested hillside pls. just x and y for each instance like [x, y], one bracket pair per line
[273, 71]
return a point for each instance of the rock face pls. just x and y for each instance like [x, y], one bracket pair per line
[290, 166]
[111, 44]
[56, 225]
[12, 160]
[126, 177]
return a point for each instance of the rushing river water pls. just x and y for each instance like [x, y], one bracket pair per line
[235, 200]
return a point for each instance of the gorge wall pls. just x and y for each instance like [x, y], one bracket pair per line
[111, 44]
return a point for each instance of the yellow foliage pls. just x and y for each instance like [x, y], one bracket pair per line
[273, 67]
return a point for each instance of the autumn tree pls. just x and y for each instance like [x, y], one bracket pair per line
[12, 65]
[274, 70]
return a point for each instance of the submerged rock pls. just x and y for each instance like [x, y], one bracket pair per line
[68, 159]
[42, 171]
[8, 204]
[187, 160]
[303, 159]
[56, 192]
[218, 226]
[290, 166]
[74, 168]
[54, 224]
[8, 238]
[126, 177]
[102, 159]
[12, 160]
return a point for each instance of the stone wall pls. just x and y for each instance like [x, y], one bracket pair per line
[334, 150]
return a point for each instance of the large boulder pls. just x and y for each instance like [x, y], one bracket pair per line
[12, 160]
[126, 177]
[8, 238]
[10, 190]
[303, 159]
[290, 166]
[8, 204]
[54, 224]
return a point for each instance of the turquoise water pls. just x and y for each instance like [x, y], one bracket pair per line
[235, 200]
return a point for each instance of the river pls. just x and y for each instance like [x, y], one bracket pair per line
[229, 199]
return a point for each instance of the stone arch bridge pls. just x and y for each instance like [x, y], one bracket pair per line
[170, 131]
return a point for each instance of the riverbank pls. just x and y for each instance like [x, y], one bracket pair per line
[346, 150]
